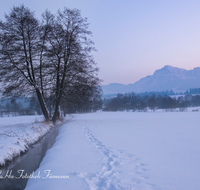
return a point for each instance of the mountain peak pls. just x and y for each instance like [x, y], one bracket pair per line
[168, 66]
[166, 78]
[170, 71]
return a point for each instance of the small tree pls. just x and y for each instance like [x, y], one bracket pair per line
[152, 102]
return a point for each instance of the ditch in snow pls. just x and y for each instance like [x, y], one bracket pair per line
[27, 163]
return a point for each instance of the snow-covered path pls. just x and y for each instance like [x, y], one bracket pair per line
[124, 150]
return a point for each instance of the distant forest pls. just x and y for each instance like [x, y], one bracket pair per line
[171, 92]
[154, 100]
[193, 91]
[162, 93]
[167, 100]
[30, 106]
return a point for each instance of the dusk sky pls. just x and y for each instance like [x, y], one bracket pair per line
[133, 37]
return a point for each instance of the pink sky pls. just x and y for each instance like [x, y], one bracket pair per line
[134, 38]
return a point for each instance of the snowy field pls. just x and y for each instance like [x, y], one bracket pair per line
[16, 133]
[123, 150]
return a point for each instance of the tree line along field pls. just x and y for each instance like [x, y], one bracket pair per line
[30, 106]
[132, 101]
[122, 102]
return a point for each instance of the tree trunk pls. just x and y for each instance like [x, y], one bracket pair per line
[56, 113]
[42, 104]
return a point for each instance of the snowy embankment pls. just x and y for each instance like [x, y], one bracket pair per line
[123, 150]
[17, 133]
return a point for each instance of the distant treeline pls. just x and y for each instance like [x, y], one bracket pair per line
[132, 101]
[168, 100]
[15, 107]
[162, 93]
[30, 106]
[193, 91]
[171, 92]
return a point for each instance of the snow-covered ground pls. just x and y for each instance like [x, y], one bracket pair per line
[16, 133]
[123, 150]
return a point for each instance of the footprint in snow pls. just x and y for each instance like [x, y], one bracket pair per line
[115, 163]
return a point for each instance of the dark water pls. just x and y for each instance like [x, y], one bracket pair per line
[26, 163]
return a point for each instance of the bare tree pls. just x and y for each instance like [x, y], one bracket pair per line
[68, 51]
[20, 55]
[49, 58]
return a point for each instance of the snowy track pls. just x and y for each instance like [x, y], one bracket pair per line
[118, 151]
[108, 178]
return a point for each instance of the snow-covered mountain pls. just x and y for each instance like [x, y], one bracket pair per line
[166, 78]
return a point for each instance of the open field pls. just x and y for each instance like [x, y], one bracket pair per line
[124, 150]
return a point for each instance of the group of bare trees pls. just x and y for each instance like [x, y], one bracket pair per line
[13, 107]
[132, 101]
[50, 58]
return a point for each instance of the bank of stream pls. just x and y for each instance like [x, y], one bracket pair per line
[14, 176]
